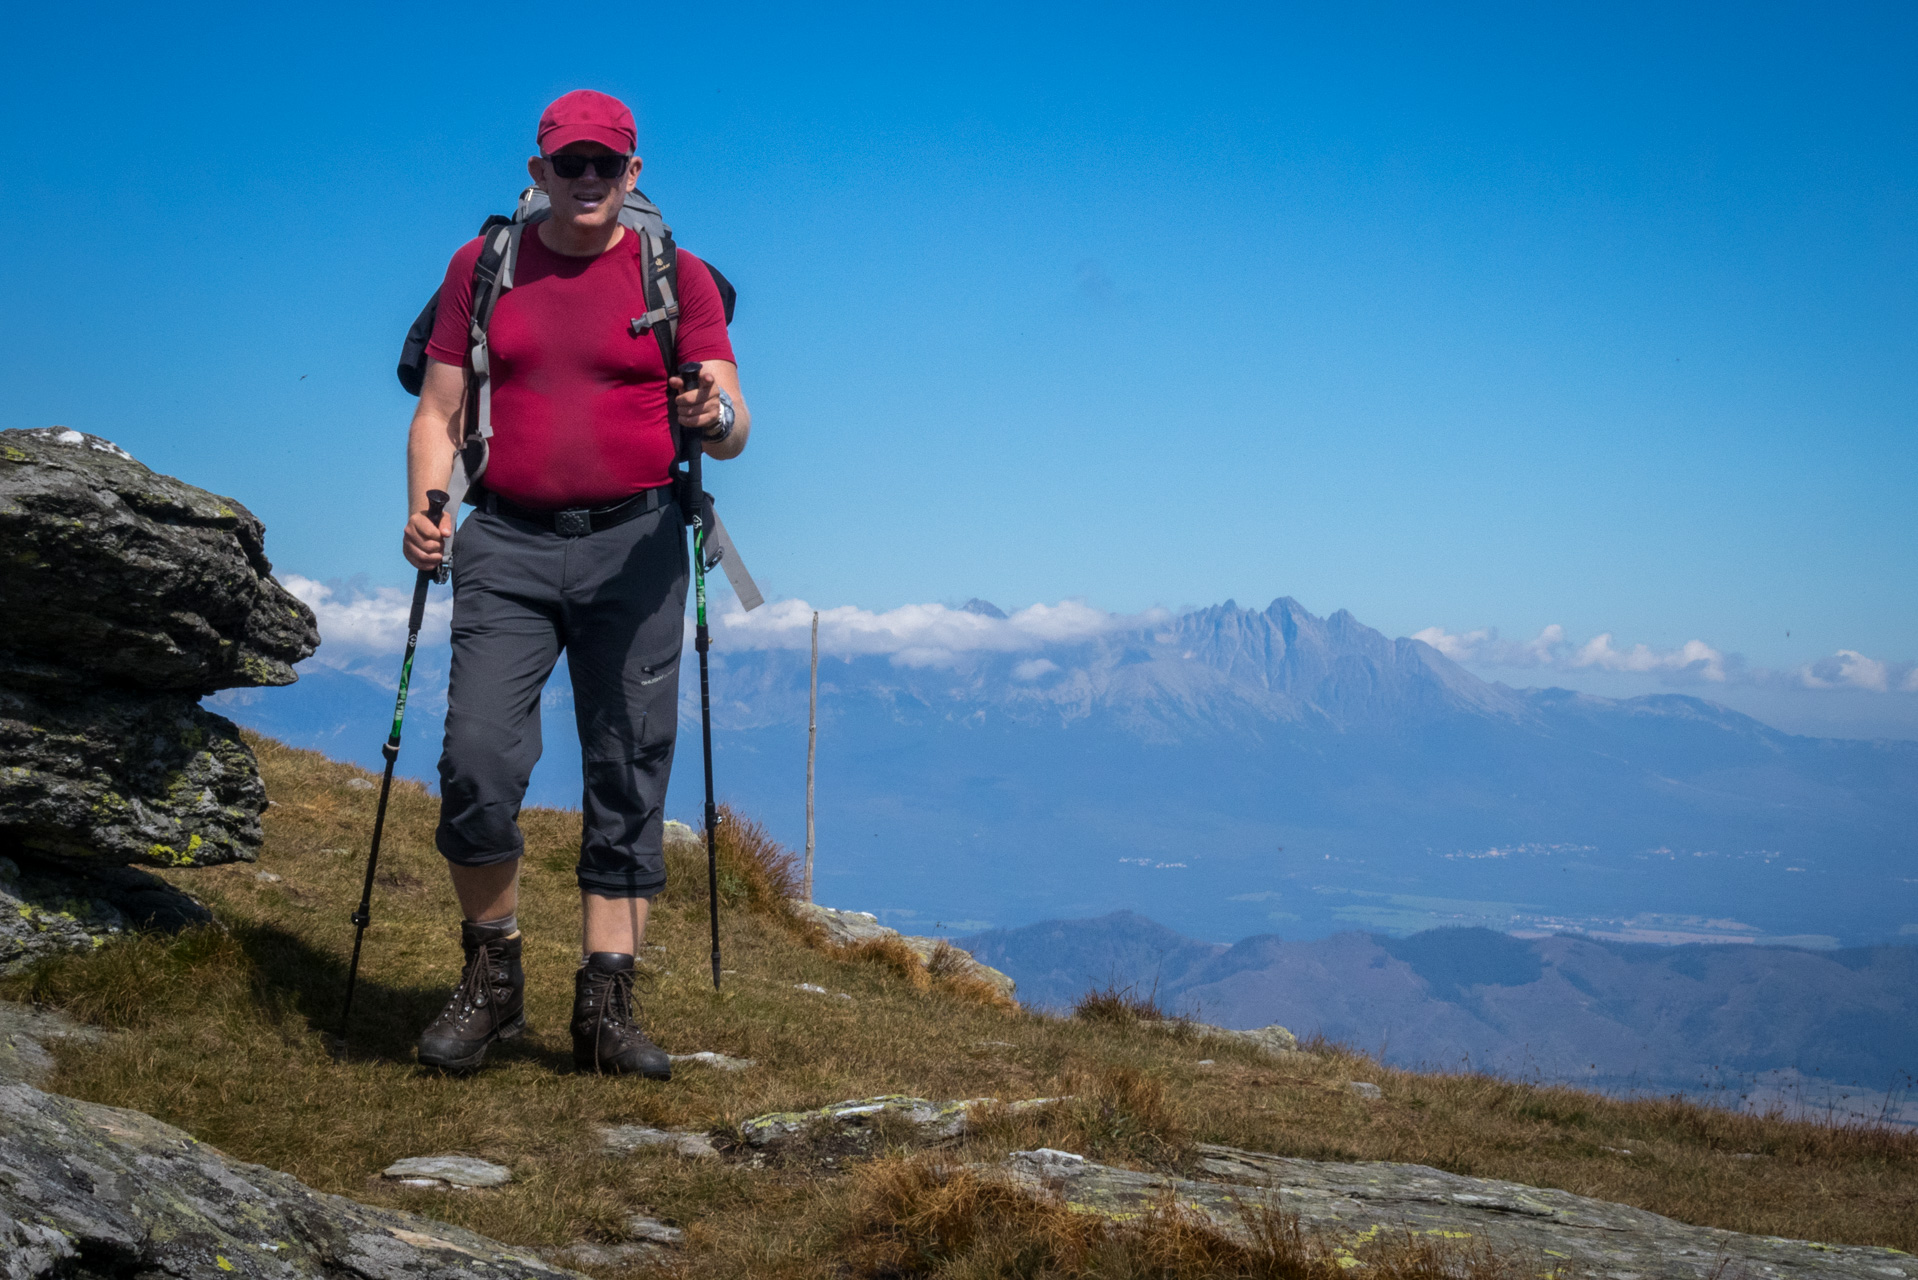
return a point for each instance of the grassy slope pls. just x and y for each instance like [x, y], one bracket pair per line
[225, 1038]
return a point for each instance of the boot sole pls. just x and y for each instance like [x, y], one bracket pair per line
[584, 1062]
[511, 1031]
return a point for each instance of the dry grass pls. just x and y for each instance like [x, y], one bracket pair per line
[1119, 1005]
[917, 1218]
[229, 1038]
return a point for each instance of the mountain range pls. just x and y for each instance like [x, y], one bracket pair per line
[1238, 772]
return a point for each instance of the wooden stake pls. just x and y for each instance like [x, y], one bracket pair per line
[812, 746]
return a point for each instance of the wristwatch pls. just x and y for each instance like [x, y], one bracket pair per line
[718, 432]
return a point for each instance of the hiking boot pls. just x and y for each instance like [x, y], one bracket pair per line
[605, 1037]
[489, 1004]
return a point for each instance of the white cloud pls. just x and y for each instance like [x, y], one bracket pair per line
[1694, 657]
[1850, 669]
[355, 622]
[922, 635]
[1484, 648]
[1690, 662]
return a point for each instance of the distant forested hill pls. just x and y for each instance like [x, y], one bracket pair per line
[1562, 1007]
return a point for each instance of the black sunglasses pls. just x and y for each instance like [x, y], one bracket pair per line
[604, 166]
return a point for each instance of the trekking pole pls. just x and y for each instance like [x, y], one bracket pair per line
[689, 377]
[435, 504]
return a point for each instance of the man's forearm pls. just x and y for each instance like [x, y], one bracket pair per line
[429, 457]
[434, 437]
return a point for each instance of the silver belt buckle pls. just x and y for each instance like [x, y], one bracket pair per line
[574, 522]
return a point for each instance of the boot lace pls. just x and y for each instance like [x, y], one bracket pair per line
[611, 995]
[476, 990]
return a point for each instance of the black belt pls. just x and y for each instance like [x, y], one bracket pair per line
[577, 522]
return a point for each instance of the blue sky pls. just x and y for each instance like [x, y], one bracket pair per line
[1465, 317]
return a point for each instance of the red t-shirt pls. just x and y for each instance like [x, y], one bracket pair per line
[580, 413]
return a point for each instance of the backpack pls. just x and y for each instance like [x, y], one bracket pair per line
[493, 276]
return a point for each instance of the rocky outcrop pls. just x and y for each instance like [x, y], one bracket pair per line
[1561, 1233]
[87, 1190]
[128, 596]
[850, 928]
[1274, 1041]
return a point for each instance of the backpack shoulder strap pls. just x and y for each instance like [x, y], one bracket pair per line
[492, 277]
[660, 267]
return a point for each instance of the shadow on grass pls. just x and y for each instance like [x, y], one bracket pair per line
[247, 972]
[386, 1019]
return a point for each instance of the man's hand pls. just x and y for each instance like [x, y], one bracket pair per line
[423, 543]
[697, 406]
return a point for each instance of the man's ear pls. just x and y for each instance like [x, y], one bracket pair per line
[536, 167]
[632, 172]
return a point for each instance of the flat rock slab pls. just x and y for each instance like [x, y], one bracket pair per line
[589, 1253]
[624, 1139]
[640, 1227]
[934, 1121]
[1576, 1235]
[464, 1172]
[93, 1190]
[27, 1035]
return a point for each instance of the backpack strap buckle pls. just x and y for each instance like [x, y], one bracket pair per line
[658, 315]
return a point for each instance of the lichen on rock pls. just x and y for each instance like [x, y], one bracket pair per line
[50, 907]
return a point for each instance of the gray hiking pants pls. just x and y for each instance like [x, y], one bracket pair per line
[615, 602]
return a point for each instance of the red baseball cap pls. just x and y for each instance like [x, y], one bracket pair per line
[586, 116]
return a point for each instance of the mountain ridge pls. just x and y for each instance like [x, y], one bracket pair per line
[1236, 771]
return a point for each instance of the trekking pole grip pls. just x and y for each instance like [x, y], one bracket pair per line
[436, 501]
[688, 374]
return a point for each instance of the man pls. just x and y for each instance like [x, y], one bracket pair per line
[581, 422]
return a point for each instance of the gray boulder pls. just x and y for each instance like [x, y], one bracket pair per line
[116, 574]
[97, 1191]
[128, 596]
